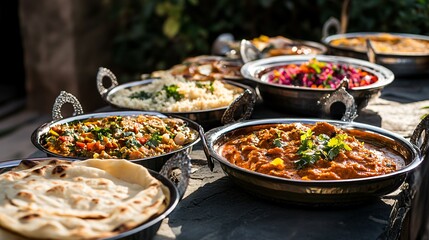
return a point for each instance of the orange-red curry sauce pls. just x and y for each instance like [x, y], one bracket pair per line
[257, 151]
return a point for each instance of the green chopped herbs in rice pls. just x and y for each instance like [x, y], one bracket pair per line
[175, 94]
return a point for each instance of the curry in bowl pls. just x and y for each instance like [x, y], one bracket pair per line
[317, 151]
[279, 45]
[128, 137]
[384, 43]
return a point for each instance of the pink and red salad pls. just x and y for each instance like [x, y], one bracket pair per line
[315, 74]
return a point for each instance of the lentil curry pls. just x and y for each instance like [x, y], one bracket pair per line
[309, 152]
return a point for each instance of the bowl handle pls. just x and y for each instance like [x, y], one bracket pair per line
[178, 170]
[331, 23]
[221, 45]
[206, 150]
[63, 98]
[418, 138]
[371, 53]
[340, 95]
[245, 102]
[248, 51]
[104, 72]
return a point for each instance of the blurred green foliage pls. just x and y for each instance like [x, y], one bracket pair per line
[156, 34]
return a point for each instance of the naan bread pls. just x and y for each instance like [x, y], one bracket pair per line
[91, 199]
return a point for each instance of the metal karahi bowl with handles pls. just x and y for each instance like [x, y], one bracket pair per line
[207, 118]
[146, 230]
[249, 52]
[401, 64]
[310, 101]
[154, 162]
[321, 192]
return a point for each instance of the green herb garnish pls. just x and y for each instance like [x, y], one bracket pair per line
[101, 132]
[141, 95]
[209, 87]
[278, 142]
[132, 142]
[172, 92]
[322, 146]
[335, 145]
[154, 140]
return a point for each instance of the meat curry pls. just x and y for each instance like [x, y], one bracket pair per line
[309, 152]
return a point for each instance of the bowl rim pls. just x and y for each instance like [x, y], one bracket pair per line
[327, 41]
[216, 133]
[109, 94]
[251, 69]
[42, 129]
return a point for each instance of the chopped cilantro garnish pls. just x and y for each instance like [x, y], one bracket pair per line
[133, 142]
[209, 87]
[154, 140]
[312, 149]
[141, 95]
[101, 132]
[278, 142]
[172, 92]
[335, 145]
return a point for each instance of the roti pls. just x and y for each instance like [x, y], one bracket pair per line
[91, 199]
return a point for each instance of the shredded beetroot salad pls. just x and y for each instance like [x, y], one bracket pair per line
[315, 74]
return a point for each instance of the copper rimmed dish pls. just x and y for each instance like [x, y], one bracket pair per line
[306, 100]
[319, 192]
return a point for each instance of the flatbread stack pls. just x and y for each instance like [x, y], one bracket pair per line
[91, 199]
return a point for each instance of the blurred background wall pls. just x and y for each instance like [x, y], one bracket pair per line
[55, 45]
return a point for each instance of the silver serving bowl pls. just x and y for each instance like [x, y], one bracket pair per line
[304, 100]
[155, 163]
[207, 118]
[249, 52]
[319, 192]
[401, 64]
[146, 230]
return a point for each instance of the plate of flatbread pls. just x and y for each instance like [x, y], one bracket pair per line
[51, 198]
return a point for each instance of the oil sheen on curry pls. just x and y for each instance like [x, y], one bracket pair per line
[309, 152]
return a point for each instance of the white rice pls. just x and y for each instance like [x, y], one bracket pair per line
[194, 97]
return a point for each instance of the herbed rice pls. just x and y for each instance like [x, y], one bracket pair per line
[195, 97]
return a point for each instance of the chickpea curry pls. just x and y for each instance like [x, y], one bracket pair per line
[309, 152]
[127, 137]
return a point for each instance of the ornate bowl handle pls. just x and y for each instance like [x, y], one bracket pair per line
[249, 52]
[340, 95]
[331, 23]
[245, 101]
[210, 161]
[104, 72]
[418, 138]
[63, 98]
[178, 170]
[371, 53]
